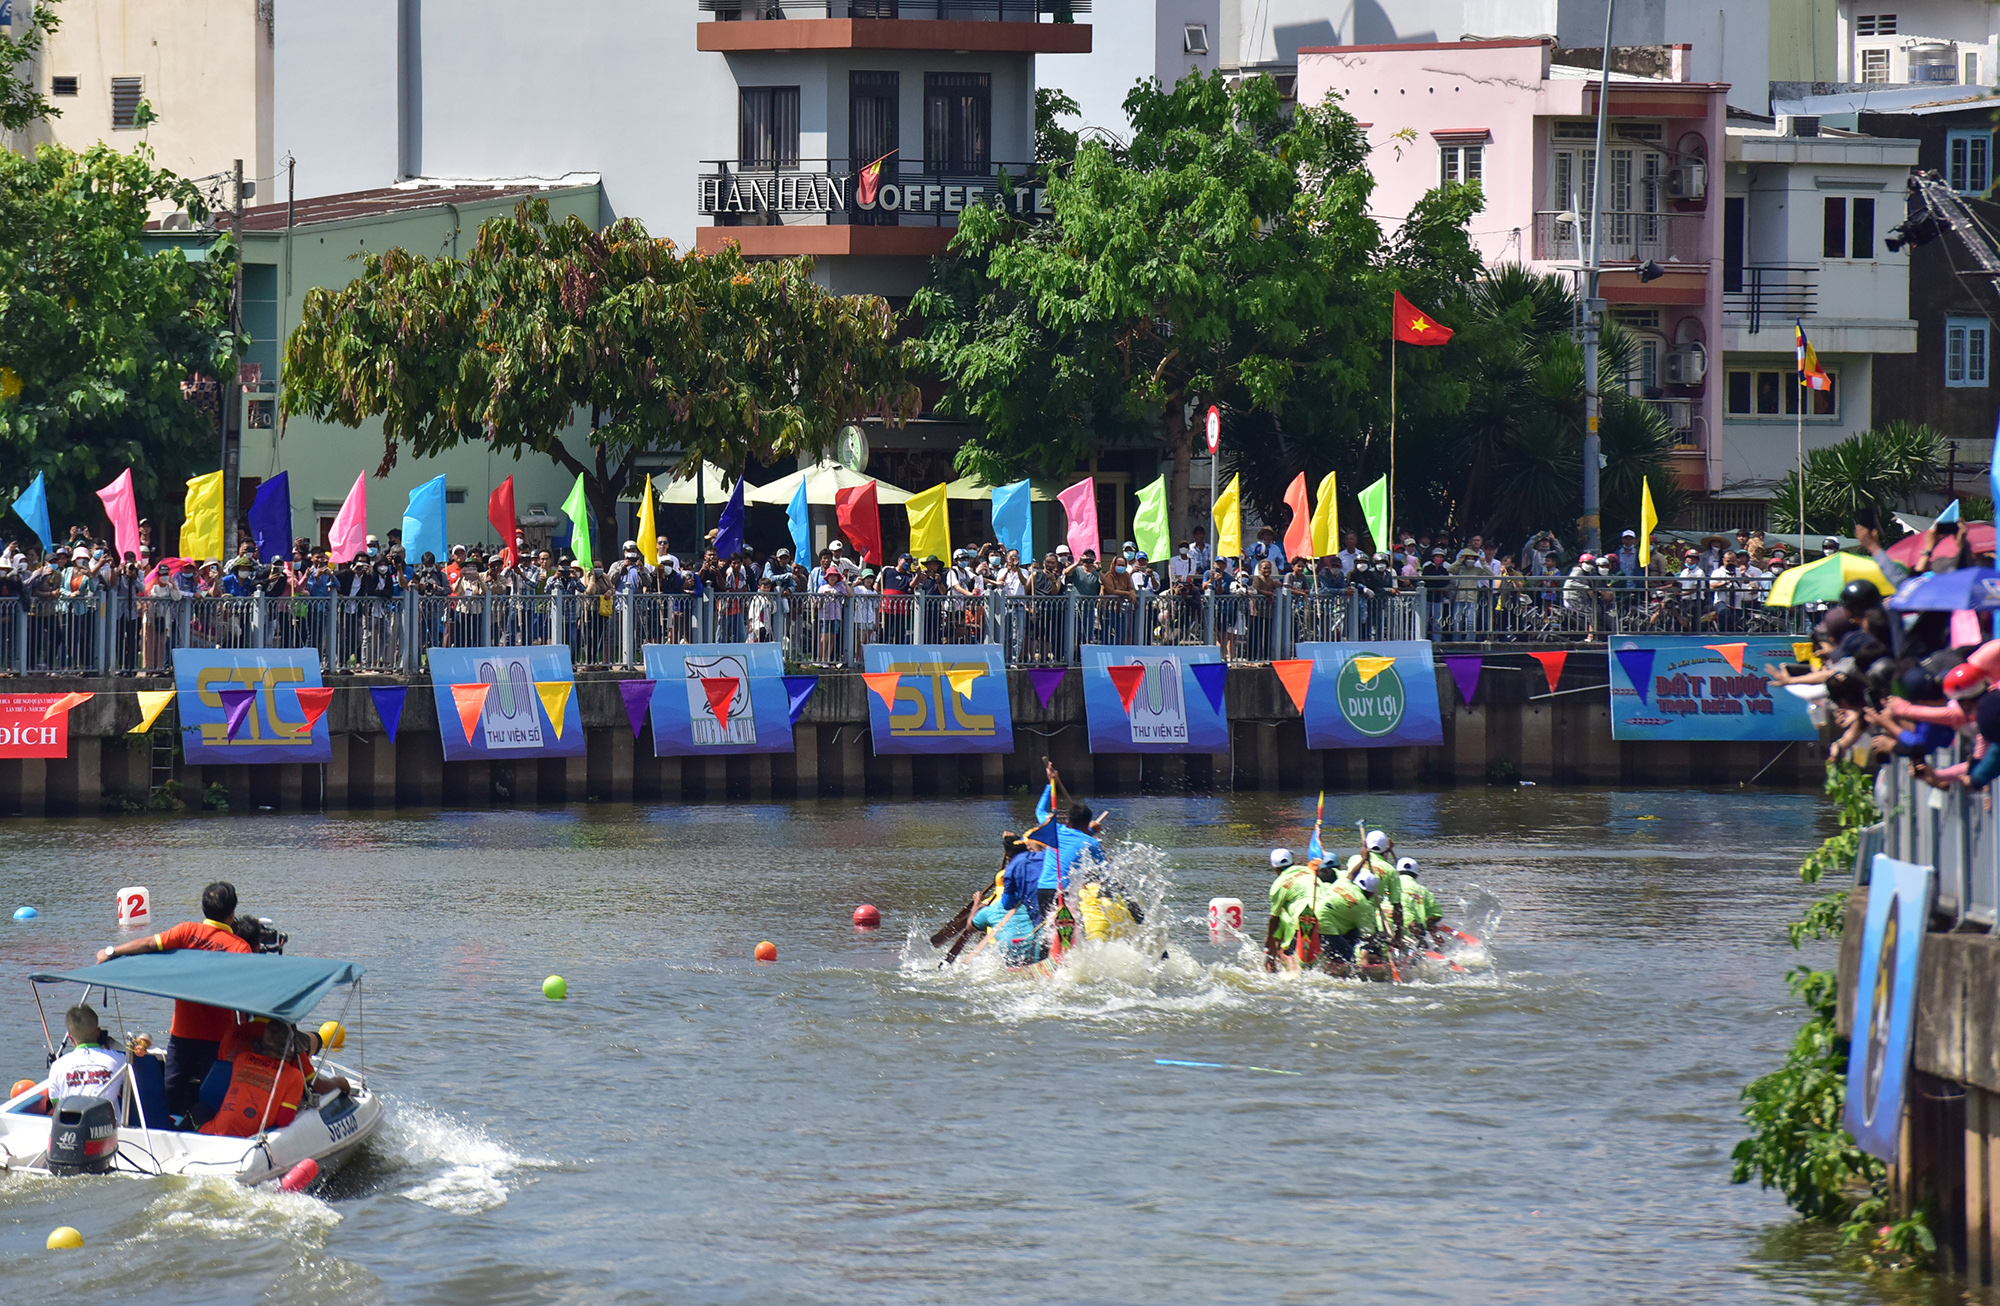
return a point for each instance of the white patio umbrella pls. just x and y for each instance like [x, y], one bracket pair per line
[715, 482]
[821, 481]
[971, 487]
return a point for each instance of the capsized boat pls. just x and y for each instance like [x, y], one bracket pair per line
[326, 1130]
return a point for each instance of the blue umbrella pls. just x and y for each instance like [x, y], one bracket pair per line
[1973, 588]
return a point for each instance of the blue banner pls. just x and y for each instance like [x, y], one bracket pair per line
[756, 716]
[1697, 687]
[269, 732]
[515, 721]
[1885, 1002]
[1372, 695]
[1173, 711]
[933, 714]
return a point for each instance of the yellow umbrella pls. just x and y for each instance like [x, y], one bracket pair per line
[1822, 581]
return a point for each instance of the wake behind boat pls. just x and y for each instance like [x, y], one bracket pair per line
[126, 1128]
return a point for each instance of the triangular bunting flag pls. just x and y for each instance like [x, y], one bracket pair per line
[1296, 675]
[1464, 668]
[1552, 666]
[389, 707]
[1731, 653]
[1211, 676]
[236, 704]
[313, 703]
[1372, 665]
[1046, 681]
[152, 702]
[471, 701]
[637, 694]
[798, 689]
[1637, 664]
[961, 680]
[1127, 680]
[555, 700]
[68, 701]
[883, 684]
[721, 691]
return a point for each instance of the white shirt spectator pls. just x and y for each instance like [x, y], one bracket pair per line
[87, 1071]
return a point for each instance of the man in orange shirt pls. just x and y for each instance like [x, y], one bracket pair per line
[198, 1030]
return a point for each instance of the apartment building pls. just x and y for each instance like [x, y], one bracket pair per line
[1926, 43]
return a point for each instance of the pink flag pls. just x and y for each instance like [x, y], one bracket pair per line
[1079, 503]
[349, 537]
[123, 510]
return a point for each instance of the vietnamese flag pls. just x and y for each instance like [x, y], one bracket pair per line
[1413, 326]
[871, 177]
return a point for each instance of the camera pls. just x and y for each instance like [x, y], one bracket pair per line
[267, 937]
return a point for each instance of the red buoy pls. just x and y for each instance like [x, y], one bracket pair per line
[300, 1176]
[866, 917]
[767, 951]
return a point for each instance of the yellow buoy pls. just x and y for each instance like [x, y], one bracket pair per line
[65, 1239]
[332, 1035]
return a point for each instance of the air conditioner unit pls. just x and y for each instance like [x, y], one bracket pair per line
[1689, 181]
[1678, 412]
[1687, 366]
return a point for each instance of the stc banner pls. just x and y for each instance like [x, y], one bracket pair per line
[1372, 695]
[718, 698]
[1692, 687]
[1885, 1002]
[23, 732]
[269, 730]
[527, 709]
[1172, 709]
[948, 698]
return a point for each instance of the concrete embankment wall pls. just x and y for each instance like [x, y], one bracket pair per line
[1512, 730]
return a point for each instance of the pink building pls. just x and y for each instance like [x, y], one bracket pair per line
[1499, 113]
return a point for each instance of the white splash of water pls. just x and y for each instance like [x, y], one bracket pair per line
[478, 1171]
[223, 1209]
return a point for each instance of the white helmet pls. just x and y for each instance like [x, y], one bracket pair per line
[1378, 842]
[1406, 866]
[1367, 883]
[1280, 858]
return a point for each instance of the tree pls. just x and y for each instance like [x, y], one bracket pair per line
[21, 100]
[99, 338]
[708, 355]
[1881, 470]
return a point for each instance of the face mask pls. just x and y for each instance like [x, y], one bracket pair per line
[382, 569]
[1121, 569]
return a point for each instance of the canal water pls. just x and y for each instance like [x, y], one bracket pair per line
[851, 1124]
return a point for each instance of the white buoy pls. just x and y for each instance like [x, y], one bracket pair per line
[1224, 915]
[135, 908]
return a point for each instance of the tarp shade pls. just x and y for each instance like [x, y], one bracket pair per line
[283, 988]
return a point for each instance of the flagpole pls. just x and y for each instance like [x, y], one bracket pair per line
[1389, 511]
[1802, 461]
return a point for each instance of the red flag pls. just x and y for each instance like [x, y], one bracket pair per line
[1552, 666]
[1413, 326]
[1298, 535]
[721, 691]
[470, 700]
[860, 521]
[882, 684]
[313, 702]
[1126, 680]
[870, 178]
[1295, 674]
[500, 511]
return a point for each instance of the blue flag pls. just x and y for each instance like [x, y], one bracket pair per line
[389, 706]
[271, 518]
[1013, 522]
[33, 508]
[729, 527]
[800, 518]
[1314, 851]
[423, 523]
[1949, 514]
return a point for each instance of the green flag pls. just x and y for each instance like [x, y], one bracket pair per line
[1149, 528]
[1375, 511]
[577, 509]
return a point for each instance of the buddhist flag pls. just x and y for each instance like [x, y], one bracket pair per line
[1326, 518]
[869, 181]
[1649, 521]
[1149, 527]
[555, 700]
[201, 532]
[930, 525]
[1413, 326]
[1375, 511]
[1228, 518]
[649, 531]
[152, 702]
[1810, 372]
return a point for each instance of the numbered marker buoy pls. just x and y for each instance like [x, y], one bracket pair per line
[135, 908]
[1224, 915]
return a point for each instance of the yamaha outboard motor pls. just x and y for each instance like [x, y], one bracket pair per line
[83, 1137]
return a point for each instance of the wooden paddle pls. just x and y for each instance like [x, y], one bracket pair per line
[957, 924]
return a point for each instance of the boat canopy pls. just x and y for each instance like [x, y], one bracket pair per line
[280, 987]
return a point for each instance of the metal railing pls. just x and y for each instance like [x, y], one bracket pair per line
[1628, 237]
[1951, 829]
[1005, 11]
[1768, 296]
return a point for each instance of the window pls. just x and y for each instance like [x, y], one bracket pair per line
[1775, 393]
[453, 496]
[1194, 38]
[874, 124]
[125, 93]
[1845, 237]
[1971, 77]
[1875, 24]
[1965, 352]
[1861, 231]
[1833, 230]
[1735, 210]
[958, 122]
[1968, 161]
[63, 85]
[1463, 164]
[1875, 66]
[768, 136]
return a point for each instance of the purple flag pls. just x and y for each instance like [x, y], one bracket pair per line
[798, 689]
[389, 707]
[637, 694]
[1210, 676]
[236, 703]
[1638, 665]
[1046, 681]
[1464, 668]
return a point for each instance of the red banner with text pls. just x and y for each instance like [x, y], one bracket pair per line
[23, 732]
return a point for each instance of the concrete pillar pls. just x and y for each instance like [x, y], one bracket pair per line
[419, 770]
[599, 781]
[1117, 773]
[1221, 771]
[87, 752]
[850, 757]
[902, 775]
[292, 786]
[333, 793]
[1469, 755]
[1982, 1183]
[384, 762]
[805, 760]
[992, 773]
[750, 775]
[624, 769]
[1536, 760]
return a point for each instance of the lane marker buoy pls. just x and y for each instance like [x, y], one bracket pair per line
[866, 917]
[555, 988]
[25, 913]
[300, 1176]
[65, 1239]
[767, 951]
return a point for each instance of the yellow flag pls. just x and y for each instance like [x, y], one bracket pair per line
[1326, 519]
[1228, 517]
[152, 702]
[930, 530]
[961, 680]
[201, 533]
[555, 700]
[1371, 667]
[1648, 521]
[649, 549]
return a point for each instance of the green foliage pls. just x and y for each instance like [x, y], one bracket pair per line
[1881, 469]
[1888, 1243]
[1054, 143]
[99, 334]
[21, 101]
[215, 798]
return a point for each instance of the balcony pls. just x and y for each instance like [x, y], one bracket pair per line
[1664, 238]
[814, 206]
[1756, 298]
[985, 26]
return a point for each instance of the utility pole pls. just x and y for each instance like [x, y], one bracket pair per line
[1593, 307]
[232, 392]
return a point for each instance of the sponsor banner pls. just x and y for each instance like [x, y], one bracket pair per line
[949, 698]
[514, 720]
[1885, 1002]
[1703, 687]
[717, 699]
[23, 733]
[1372, 695]
[1171, 711]
[270, 727]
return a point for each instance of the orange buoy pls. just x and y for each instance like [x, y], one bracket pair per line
[21, 1086]
[866, 917]
[767, 951]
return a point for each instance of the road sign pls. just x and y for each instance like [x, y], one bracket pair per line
[1214, 428]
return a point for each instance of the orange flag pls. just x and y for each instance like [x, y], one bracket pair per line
[882, 684]
[1413, 326]
[1298, 535]
[1552, 666]
[1127, 680]
[721, 691]
[471, 701]
[64, 704]
[313, 703]
[1295, 674]
[1731, 653]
